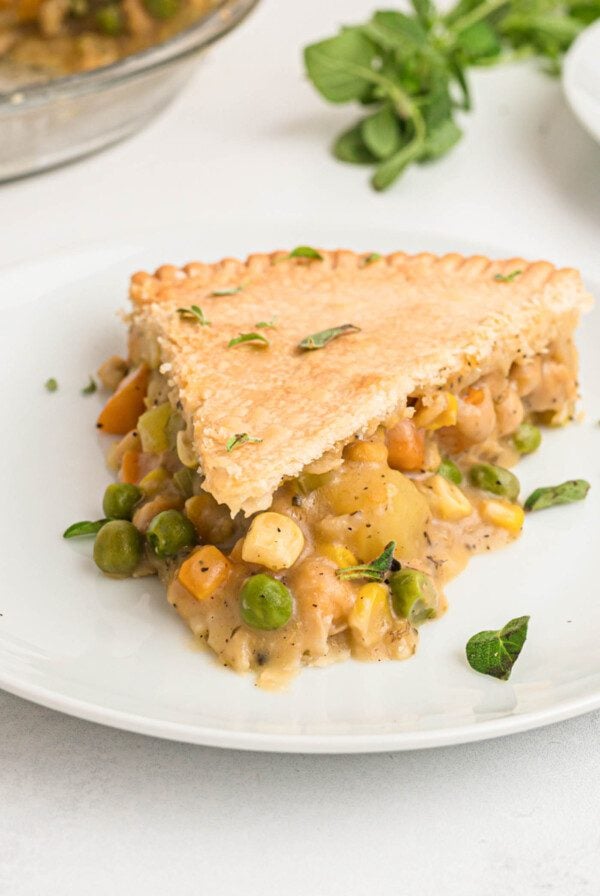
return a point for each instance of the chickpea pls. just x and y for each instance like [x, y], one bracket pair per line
[406, 446]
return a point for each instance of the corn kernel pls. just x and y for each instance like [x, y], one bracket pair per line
[152, 481]
[340, 555]
[204, 572]
[273, 540]
[446, 499]
[370, 616]
[367, 452]
[504, 514]
[442, 412]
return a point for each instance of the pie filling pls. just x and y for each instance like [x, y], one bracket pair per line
[277, 590]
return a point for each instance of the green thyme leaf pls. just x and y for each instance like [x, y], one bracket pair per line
[240, 438]
[51, 385]
[320, 340]
[248, 337]
[370, 259]
[305, 252]
[86, 527]
[90, 388]
[495, 653]
[267, 324]
[552, 495]
[507, 278]
[375, 570]
[228, 291]
[193, 313]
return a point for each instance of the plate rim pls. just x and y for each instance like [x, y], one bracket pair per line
[291, 743]
[337, 744]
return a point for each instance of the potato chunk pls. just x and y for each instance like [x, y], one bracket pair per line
[370, 506]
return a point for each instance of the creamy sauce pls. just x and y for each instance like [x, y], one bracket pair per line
[360, 505]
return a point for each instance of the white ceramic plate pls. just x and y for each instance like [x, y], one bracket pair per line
[114, 652]
[581, 79]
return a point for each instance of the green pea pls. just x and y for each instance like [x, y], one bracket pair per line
[496, 480]
[120, 499]
[414, 596]
[265, 602]
[527, 438]
[450, 471]
[170, 532]
[162, 9]
[118, 548]
[109, 20]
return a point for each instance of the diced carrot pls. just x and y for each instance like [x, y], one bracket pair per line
[130, 467]
[121, 411]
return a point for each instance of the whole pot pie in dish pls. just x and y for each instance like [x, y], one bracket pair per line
[312, 443]
[62, 37]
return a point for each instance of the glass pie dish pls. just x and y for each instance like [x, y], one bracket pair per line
[49, 123]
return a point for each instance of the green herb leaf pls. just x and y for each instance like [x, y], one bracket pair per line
[392, 168]
[193, 313]
[266, 324]
[457, 70]
[305, 252]
[340, 67]
[552, 495]
[350, 147]
[381, 133]
[320, 340]
[375, 570]
[396, 31]
[373, 257]
[90, 388]
[240, 438]
[84, 528]
[51, 385]
[478, 43]
[410, 65]
[228, 291]
[440, 140]
[495, 653]
[507, 278]
[248, 337]
[425, 11]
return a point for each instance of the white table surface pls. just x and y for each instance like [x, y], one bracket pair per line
[89, 810]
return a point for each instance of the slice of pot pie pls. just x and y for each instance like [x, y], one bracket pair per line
[314, 442]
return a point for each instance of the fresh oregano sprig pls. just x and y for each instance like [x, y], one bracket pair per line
[376, 570]
[410, 71]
